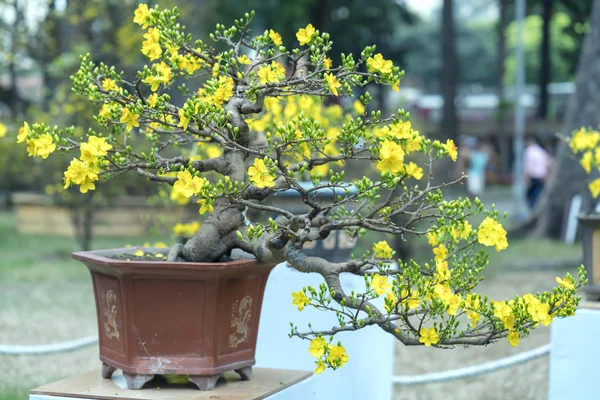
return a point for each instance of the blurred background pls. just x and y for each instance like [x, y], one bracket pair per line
[503, 78]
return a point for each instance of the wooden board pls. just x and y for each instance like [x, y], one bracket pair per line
[90, 385]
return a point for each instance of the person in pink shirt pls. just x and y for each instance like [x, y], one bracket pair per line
[537, 165]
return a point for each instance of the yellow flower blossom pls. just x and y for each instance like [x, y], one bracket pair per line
[450, 148]
[141, 15]
[205, 206]
[260, 175]
[129, 119]
[453, 303]
[443, 273]
[94, 148]
[359, 107]
[337, 356]
[244, 60]
[441, 252]
[491, 233]
[110, 85]
[23, 133]
[3, 130]
[583, 140]
[428, 336]
[80, 174]
[410, 299]
[413, 170]
[320, 367]
[275, 37]
[586, 161]
[272, 73]
[186, 230]
[152, 99]
[594, 187]
[390, 302]
[380, 284]
[42, 146]
[383, 250]
[401, 130]
[379, 64]
[317, 347]
[300, 300]
[332, 83]
[328, 63]
[213, 151]
[567, 282]
[178, 196]
[433, 239]
[513, 338]
[305, 35]
[183, 120]
[163, 75]
[150, 47]
[413, 143]
[189, 185]
[391, 157]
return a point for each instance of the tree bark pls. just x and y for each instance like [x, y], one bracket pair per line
[545, 61]
[568, 177]
[449, 78]
[503, 139]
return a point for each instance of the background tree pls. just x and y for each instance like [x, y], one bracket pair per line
[449, 73]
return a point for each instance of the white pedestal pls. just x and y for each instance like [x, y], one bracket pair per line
[574, 355]
[368, 373]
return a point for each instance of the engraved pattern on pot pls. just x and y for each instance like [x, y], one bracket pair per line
[240, 320]
[109, 311]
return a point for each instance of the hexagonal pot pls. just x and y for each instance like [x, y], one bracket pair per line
[193, 319]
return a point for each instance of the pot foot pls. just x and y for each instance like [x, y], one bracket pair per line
[107, 370]
[136, 381]
[245, 373]
[205, 382]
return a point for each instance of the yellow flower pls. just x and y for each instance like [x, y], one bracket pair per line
[391, 157]
[453, 303]
[332, 83]
[317, 347]
[300, 300]
[491, 233]
[411, 300]
[474, 317]
[594, 187]
[205, 206]
[586, 161]
[186, 230]
[320, 367]
[96, 147]
[141, 15]
[450, 148]
[305, 35]
[383, 250]
[379, 64]
[110, 85]
[413, 170]
[105, 111]
[189, 185]
[138, 253]
[42, 146]
[183, 120]
[443, 292]
[79, 174]
[401, 130]
[23, 133]
[513, 338]
[413, 143]
[501, 310]
[380, 284]
[583, 140]
[224, 91]
[152, 99]
[337, 356]
[272, 73]
[150, 47]
[163, 75]
[178, 196]
[129, 119]
[328, 63]
[244, 60]
[567, 282]
[433, 238]
[442, 271]
[260, 175]
[441, 252]
[3, 130]
[359, 107]
[213, 151]
[275, 37]
[390, 302]
[428, 336]
[161, 245]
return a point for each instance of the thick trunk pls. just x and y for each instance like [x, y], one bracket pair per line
[449, 127]
[545, 62]
[568, 178]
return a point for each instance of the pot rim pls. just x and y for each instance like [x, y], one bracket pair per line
[103, 257]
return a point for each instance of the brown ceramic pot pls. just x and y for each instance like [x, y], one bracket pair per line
[194, 319]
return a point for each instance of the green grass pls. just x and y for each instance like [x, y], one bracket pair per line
[37, 258]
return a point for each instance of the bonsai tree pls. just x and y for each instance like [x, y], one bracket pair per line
[241, 80]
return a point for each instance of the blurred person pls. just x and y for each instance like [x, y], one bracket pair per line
[476, 163]
[537, 165]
